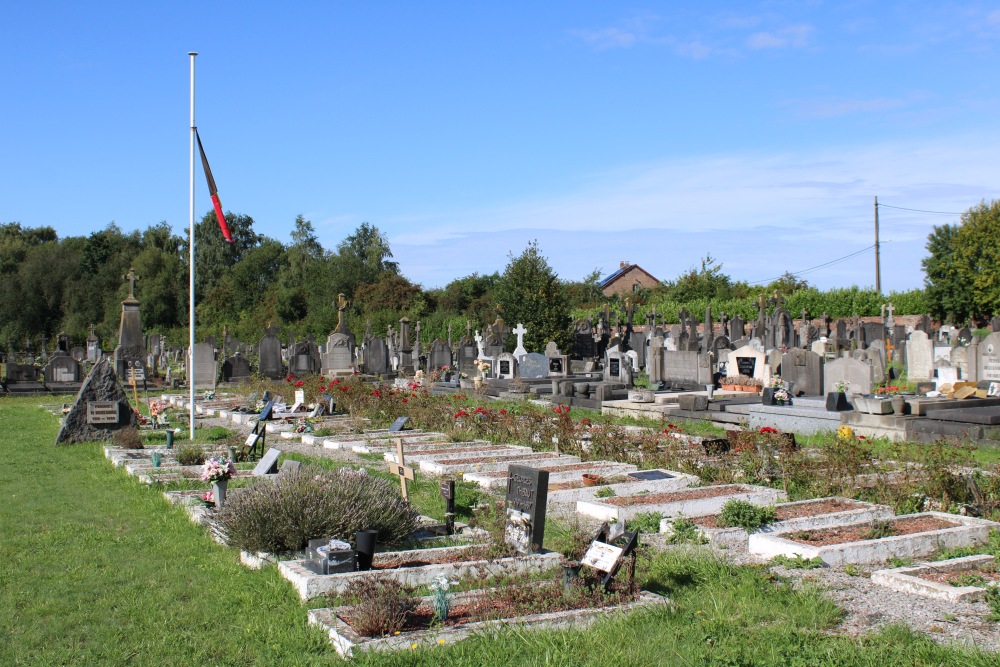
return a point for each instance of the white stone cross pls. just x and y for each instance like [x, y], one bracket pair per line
[519, 351]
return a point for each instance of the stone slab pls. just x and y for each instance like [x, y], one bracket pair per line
[908, 580]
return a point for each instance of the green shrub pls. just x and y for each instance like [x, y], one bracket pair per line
[686, 531]
[878, 530]
[190, 455]
[605, 492]
[749, 517]
[284, 514]
[646, 522]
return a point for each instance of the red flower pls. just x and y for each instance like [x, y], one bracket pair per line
[343, 389]
[460, 414]
[300, 383]
[289, 378]
[322, 388]
[502, 411]
[768, 429]
[335, 382]
[377, 394]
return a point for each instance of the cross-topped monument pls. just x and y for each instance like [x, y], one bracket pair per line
[131, 277]
[340, 304]
[519, 331]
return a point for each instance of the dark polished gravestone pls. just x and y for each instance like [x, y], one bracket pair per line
[100, 409]
[527, 496]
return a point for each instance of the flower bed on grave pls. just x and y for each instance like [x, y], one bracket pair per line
[383, 617]
[687, 502]
[909, 536]
[964, 579]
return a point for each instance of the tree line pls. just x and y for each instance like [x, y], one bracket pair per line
[50, 285]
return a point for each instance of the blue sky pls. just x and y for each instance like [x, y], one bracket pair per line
[649, 132]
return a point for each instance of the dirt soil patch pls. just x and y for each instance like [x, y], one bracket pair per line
[660, 498]
[988, 571]
[858, 533]
[495, 459]
[783, 513]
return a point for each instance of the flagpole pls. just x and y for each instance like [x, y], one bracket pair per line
[190, 378]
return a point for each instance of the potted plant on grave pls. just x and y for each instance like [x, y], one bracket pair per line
[892, 392]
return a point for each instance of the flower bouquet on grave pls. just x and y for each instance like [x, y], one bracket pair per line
[217, 469]
[441, 600]
[842, 387]
[482, 366]
[208, 498]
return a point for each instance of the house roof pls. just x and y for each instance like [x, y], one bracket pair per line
[622, 271]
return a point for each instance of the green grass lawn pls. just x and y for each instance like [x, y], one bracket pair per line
[97, 569]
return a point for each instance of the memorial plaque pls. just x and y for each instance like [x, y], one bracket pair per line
[649, 475]
[746, 365]
[556, 366]
[102, 412]
[268, 464]
[615, 367]
[504, 367]
[448, 489]
[135, 374]
[527, 496]
[398, 425]
[603, 557]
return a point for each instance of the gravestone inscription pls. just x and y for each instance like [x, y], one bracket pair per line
[527, 496]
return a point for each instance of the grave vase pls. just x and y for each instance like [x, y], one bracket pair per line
[477, 382]
[898, 404]
[219, 492]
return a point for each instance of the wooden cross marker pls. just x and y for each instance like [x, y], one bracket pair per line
[399, 468]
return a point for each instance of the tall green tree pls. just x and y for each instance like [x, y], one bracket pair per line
[944, 285]
[529, 292]
[362, 258]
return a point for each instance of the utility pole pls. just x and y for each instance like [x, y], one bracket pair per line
[878, 268]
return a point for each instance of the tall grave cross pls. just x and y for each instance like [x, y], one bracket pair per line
[340, 304]
[400, 469]
[131, 278]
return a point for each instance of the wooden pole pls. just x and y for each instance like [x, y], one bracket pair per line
[878, 267]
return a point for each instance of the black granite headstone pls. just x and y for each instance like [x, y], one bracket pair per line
[527, 496]
[398, 425]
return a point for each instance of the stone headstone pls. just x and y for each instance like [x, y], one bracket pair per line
[131, 350]
[100, 387]
[268, 464]
[439, 356]
[375, 357]
[534, 366]
[399, 424]
[919, 357]
[558, 366]
[527, 497]
[235, 368]
[858, 373]
[62, 369]
[269, 351]
[506, 366]
[804, 369]
[989, 358]
[685, 370]
[205, 366]
[747, 361]
[339, 356]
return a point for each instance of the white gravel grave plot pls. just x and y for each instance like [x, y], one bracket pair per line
[966, 531]
[494, 463]
[347, 642]
[448, 453]
[381, 438]
[382, 445]
[558, 474]
[910, 579]
[730, 537]
[695, 501]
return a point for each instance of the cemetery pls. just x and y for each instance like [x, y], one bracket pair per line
[409, 495]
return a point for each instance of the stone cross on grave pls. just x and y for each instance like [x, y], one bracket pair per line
[131, 278]
[93, 331]
[400, 469]
[890, 323]
[468, 330]
[519, 331]
[416, 346]
[684, 316]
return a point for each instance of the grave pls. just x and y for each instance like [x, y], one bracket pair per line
[686, 502]
[205, 366]
[804, 369]
[534, 366]
[527, 496]
[269, 350]
[339, 355]
[236, 368]
[131, 350]
[747, 361]
[912, 579]
[919, 357]
[858, 374]
[101, 408]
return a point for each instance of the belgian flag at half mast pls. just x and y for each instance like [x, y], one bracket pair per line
[213, 191]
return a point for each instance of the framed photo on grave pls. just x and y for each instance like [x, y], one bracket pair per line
[555, 365]
[746, 365]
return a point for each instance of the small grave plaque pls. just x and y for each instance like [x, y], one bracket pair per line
[398, 425]
[646, 475]
[268, 464]
[504, 367]
[135, 374]
[615, 366]
[527, 496]
[601, 556]
[265, 414]
[556, 366]
[300, 396]
[746, 365]
[102, 412]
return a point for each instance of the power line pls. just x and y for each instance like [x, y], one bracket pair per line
[918, 210]
[820, 266]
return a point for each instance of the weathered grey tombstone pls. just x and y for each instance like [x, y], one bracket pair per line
[205, 366]
[375, 357]
[919, 357]
[439, 356]
[858, 373]
[339, 356]
[736, 328]
[268, 464]
[534, 366]
[62, 369]
[269, 349]
[614, 365]
[804, 369]
[989, 358]
[506, 366]
[686, 369]
[235, 368]
[960, 360]
[654, 365]
[131, 350]
[78, 353]
[101, 408]
[527, 497]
